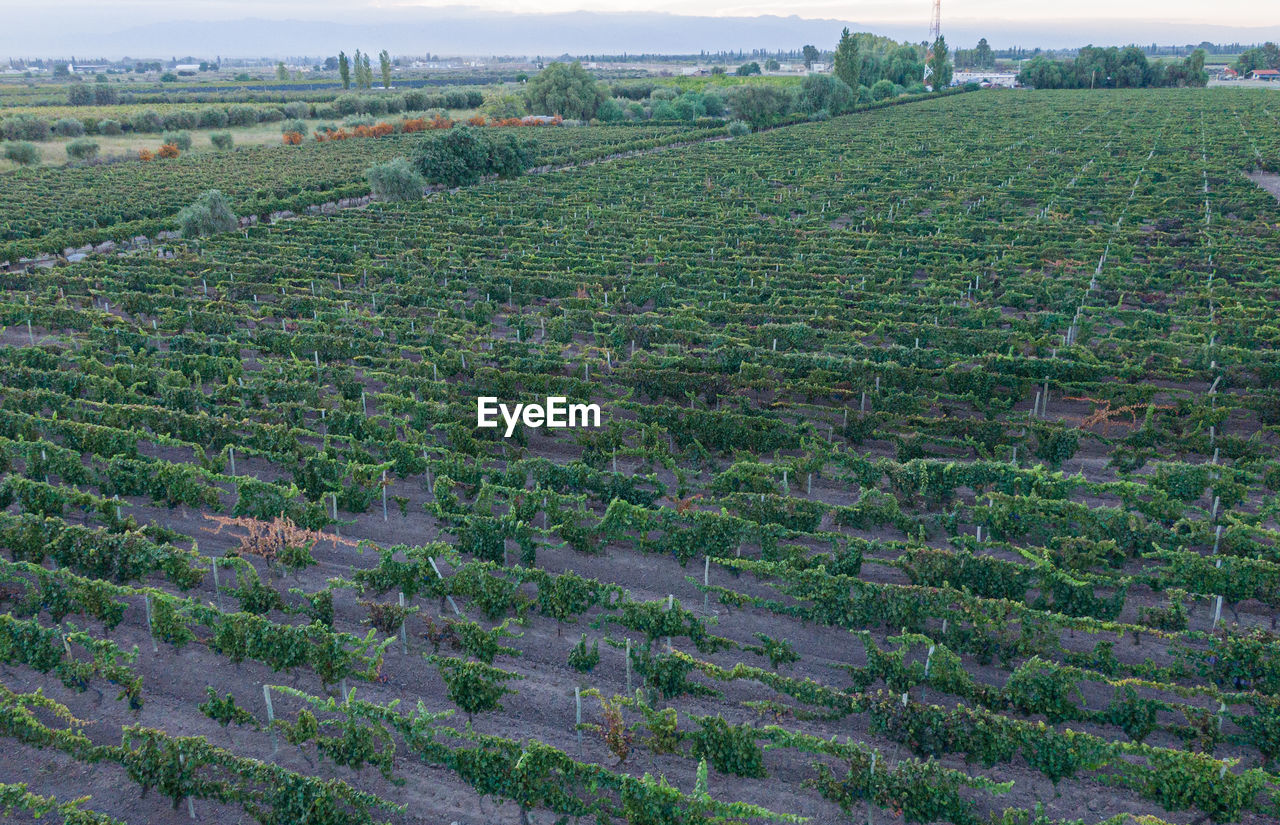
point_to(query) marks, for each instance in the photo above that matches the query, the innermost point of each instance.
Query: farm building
(1264, 74)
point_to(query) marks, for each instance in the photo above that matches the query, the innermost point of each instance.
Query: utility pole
(935, 26)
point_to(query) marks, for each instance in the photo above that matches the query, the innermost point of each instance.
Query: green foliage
(82, 149)
(730, 749)
(207, 215)
(474, 687)
(22, 153)
(462, 155)
(564, 89)
(395, 180)
(582, 658)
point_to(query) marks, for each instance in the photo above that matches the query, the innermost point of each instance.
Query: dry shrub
(270, 540)
(292, 138)
(169, 150)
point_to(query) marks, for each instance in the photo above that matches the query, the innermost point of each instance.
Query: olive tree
(395, 180)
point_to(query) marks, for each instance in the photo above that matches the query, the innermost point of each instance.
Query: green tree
(344, 70)
(567, 90)
(748, 69)
(384, 62)
(811, 55)
(282, 73)
(208, 214)
(771, 65)
(823, 92)
(221, 140)
(395, 180)
(366, 72)
(848, 63)
(759, 104)
(940, 69)
(982, 56)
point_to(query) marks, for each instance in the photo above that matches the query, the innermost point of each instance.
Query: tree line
(1113, 68)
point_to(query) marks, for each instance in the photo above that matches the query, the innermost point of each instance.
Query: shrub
(415, 101)
(183, 119)
(582, 658)
(68, 127)
(145, 155)
(180, 139)
(294, 126)
(242, 116)
(462, 156)
(168, 150)
(22, 153)
(208, 214)
(147, 120)
(110, 127)
(270, 115)
(25, 127)
(395, 180)
(82, 149)
(738, 128)
(297, 110)
(212, 118)
(292, 138)
(221, 140)
(882, 89)
(327, 112)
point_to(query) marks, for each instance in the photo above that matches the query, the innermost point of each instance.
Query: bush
(464, 154)
(327, 112)
(414, 101)
(22, 153)
(110, 127)
(293, 126)
(212, 118)
(297, 110)
(270, 115)
(738, 128)
(82, 149)
(177, 121)
(146, 121)
(395, 180)
(208, 214)
(68, 127)
(882, 89)
(168, 150)
(242, 116)
(221, 140)
(180, 139)
(760, 105)
(25, 127)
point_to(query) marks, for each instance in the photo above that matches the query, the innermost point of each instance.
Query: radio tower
(935, 27)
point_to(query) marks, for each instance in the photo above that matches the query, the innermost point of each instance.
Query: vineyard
(938, 479)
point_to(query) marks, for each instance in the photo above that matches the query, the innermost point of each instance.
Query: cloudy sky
(141, 27)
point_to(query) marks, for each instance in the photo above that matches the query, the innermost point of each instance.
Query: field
(938, 480)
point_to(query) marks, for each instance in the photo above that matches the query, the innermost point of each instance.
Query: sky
(1252, 13)
(282, 28)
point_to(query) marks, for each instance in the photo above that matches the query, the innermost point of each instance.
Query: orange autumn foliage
(476, 120)
(168, 150)
(292, 138)
(146, 154)
(416, 124)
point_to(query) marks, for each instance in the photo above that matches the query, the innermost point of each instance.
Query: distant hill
(34, 32)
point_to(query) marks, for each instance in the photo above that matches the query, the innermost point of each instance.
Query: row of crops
(938, 482)
(50, 209)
